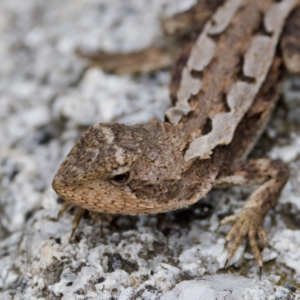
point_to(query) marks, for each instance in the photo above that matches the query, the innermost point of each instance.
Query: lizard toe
(76, 220)
(78, 215)
(237, 234)
(63, 208)
(99, 218)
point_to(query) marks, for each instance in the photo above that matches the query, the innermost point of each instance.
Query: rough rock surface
(47, 98)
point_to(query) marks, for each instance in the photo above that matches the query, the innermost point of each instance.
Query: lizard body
(223, 96)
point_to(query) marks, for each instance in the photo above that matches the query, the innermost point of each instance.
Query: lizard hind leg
(248, 223)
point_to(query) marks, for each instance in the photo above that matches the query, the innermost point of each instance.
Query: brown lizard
(224, 88)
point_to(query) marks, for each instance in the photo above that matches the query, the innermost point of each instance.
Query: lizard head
(115, 168)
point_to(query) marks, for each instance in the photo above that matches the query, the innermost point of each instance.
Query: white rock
(46, 89)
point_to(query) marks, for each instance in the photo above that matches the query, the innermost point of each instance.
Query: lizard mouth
(103, 197)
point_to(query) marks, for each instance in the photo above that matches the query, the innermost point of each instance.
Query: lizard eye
(122, 179)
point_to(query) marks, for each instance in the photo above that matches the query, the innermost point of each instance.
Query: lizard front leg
(271, 176)
(98, 217)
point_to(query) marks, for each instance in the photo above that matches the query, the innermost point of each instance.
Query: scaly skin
(223, 91)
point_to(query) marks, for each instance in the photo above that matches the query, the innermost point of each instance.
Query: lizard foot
(247, 223)
(98, 217)
(76, 220)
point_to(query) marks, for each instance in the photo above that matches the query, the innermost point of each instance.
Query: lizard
(224, 88)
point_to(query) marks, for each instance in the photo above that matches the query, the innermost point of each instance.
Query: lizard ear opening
(122, 179)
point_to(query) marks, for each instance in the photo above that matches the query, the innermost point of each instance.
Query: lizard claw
(247, 223)
(225, 246)
(63, 208)
(226, 262)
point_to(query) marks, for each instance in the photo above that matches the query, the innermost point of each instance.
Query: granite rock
(48, 97)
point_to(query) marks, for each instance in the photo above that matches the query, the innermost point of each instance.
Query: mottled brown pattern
(192, 19)
(142, 169)
(177, 70)
(219, 76)
(254, 122)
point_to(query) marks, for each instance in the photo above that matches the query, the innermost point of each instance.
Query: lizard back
(224, 73)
